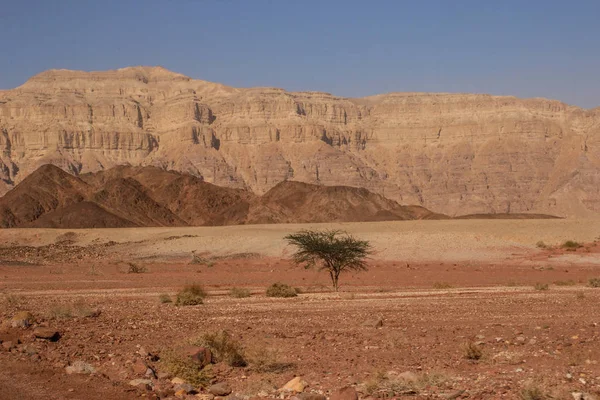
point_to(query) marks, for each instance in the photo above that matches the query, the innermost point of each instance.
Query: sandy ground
(432, 287)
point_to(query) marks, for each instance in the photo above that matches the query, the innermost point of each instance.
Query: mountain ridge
(453, 153)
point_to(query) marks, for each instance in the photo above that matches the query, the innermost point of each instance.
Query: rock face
(451, 153)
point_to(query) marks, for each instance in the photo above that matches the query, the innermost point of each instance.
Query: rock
(181, 394)
(142, 383)
(80, 367)
(583, 396)
(295, 385)
(22, 319)
(49, 334)
(220, 389)
(453, 395)
(205, 396)
(346, 393)
(311, 396)
(374, 323)
(150, 373)
(177, 381)
(139, 367)
(185, 387)
(199, 355)
(8, 345)
(408, 376)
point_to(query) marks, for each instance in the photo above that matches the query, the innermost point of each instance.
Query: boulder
(220, 389)
(295, 385)
(49, 334)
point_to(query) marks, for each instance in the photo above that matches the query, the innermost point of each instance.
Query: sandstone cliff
(451, 153)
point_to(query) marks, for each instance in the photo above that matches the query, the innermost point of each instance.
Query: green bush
(190, 296)
(281, 290)
(571, 244)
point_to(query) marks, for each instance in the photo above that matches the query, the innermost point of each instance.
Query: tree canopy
(332, 250)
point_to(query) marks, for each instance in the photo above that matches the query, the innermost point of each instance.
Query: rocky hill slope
(452, 153)
(148, 196)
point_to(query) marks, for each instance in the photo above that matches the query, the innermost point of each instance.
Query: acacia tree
(331, 250)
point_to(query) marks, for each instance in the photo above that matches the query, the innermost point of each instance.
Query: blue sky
(527, 48)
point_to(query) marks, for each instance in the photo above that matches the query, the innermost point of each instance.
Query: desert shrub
(541, 286)
(472, 351)
(264, 359)
(185, 368)
(281, 290)
(66, 238)
(76, 309)
(190, 296)
(532, 393)
(199, 260)
(224, 348)
(136, 269)
(442, 285)
(571, 244)
(541, 245)
(165, 298)
(570, 282)
(580, 295)
(239, 293)
(594, 282)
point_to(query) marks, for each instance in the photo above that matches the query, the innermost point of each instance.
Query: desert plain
(454, 309)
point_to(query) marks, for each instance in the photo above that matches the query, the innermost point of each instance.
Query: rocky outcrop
(452, 153)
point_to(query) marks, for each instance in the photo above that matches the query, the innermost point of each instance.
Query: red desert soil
(412, 314)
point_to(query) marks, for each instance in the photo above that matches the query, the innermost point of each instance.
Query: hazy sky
(527, 48)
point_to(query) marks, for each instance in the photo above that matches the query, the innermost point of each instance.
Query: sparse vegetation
(384, 385)
(472, 351)
(541, 286)
(264, 359)
(442, 285)
(281, 290)
(580, 295)
(66, 238)
(185, 368)
(570, 282)
(199, 260)
(333, 251)
(571, 245)
(541, 245)
(532, 392)
(190, 296)
(136, 269)
(239, 293)
(165, 298)
(77, 309)
(13, 300)
(224, 348)
(594, 282)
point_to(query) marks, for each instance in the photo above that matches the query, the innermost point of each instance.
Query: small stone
(177, 381)
(80, 367)
(583, 382)
(295, 385)
(181, 394)
(205, 396)
(569, 376)
(184, 386)
(139, 367)
(220, 389)
(142, 383)
(49, 334)
(520, 339)
(346, 393)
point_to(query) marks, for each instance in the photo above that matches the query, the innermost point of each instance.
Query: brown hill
(149, 196)
(453, 153)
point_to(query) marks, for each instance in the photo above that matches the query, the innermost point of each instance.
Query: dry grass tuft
(192, 295)
(281, 290)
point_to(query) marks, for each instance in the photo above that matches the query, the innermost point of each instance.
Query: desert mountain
(452, 153)
(148, 196)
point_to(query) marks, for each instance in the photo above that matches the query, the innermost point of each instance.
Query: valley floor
(435, 290)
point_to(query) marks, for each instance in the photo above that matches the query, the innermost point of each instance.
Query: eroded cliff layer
(451, 153)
